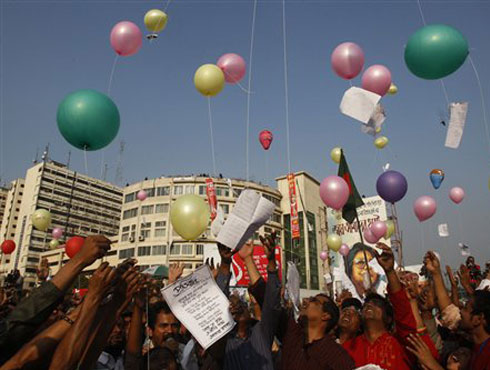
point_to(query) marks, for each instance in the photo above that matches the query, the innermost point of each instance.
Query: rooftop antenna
(45, 156)
(119, 176)
(104, 173)
(34, 161)
(68, 161)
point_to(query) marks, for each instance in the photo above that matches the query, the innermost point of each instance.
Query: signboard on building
(295, 230)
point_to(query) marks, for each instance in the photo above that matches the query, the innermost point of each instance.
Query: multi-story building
(305, 250)
(8, 225)
(78, 204)
(147, 234)
(3, 200)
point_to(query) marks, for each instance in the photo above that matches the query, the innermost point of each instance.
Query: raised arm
(71, 348)
(433, 265)
(454, 287)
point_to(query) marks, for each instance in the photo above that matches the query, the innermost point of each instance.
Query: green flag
(349, 211)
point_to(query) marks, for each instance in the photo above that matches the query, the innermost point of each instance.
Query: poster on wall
(350, 272)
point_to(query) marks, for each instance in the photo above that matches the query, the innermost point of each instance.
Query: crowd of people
(123, 322)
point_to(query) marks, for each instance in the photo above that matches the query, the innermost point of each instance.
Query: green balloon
(88, 119)
(435, 51)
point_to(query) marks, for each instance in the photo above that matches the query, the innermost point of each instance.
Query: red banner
(211, 195)
(295, 231)
(240, 271)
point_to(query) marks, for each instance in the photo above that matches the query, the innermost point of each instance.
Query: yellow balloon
(209, 79)
(334, 242)
(54, 244)
(335, 154)
(378, 129)
(155, 20)
(41, 219)
(390, 229)
(189, 216)
(393, 89)
(381, 142)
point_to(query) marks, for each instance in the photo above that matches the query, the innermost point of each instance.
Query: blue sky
(51, 48)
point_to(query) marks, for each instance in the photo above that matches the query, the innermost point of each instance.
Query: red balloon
(73, 246)
(8, 246)
(265, 138)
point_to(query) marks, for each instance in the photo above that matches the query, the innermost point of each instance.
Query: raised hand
(464, 275)
(246, 251)
(100, 282)
(427, 298)
(175, 272)
(225, 253)
(432, 263)
(95, 246)
(386, 259)
(212, 267)
(269, 244)
(450, 274)
(422, 352)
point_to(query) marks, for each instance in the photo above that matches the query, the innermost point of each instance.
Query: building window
(163, 190)
(144, 251)
(159, 250)
(175, 249)
(202, 189)
(178, 190)
(188, 266)
(276, 218)
(130, 213)
(225, 208)
(199, 249)
(189, 189)
(145, 229)
(125, 229)
(130, 197)
(160, 229)
(150, 193)
(126, 253)
(124, 237)
(222, 192)
(161, 208)
(187, 249)
(147, 210)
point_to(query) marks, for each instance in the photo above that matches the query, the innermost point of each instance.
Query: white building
(78, 204)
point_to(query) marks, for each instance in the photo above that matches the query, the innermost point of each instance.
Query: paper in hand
(457, 120)
(359, 104)
(443, 231)
(250, 212)
(292, 285)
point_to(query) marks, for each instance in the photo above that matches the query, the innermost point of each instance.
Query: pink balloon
(424, 207)
(233, 66)
(347, 60)
(377, 79)
(323, 255)
(369, 236)
(334, 192)
(57, 233)
(126, 38)
(141, 195)
(378, 228)
(344, 250)
(456, 194)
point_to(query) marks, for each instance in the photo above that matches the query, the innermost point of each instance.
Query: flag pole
(364, 250)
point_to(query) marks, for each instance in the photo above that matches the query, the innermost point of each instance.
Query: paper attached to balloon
(457, 120)
(359, 104)
(292, 286)
(250, 212)
(374, 124)
(443, 231)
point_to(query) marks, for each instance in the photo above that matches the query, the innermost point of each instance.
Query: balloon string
(112, 75)
(266, 166)
(247, 134)
(460, 225)
(85, 159)
(212, 136)
(483, 106)
(243, 88)
(166, 5)
(286, 93)
(422, 236)
(444, 90)
(350, 83)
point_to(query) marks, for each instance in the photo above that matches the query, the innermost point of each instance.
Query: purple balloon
(141, 195)
(334, 191)
(347, 60)
(344, 250)
(391, 186)
(424, 207)
(377, 79)
(233, 66)
(323, 255)
(126, 38)
(57, 233)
